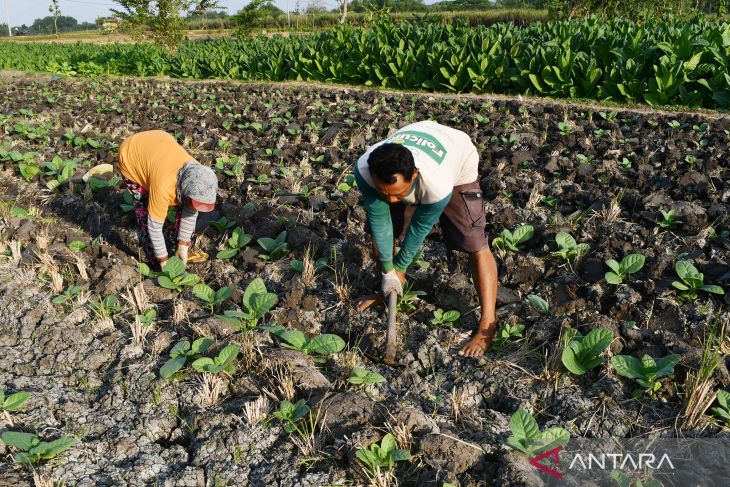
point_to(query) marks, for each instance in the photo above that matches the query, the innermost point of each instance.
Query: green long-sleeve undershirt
(381, 225)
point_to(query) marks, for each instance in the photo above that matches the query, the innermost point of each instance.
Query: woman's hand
(182, 251)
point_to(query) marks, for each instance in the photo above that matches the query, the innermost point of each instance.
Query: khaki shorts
(463, 221)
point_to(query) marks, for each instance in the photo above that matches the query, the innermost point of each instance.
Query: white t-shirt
(445, 157)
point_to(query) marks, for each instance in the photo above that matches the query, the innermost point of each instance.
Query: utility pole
(288, 16)
(7, 17)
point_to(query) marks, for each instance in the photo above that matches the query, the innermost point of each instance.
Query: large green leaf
(21, 441)
(565, 240)
(627, 366)
(523, 425)
(256, 286)
(15, 401)
(632, 263)
(172, 366)
(326, 344)
(204, 293)
(174, 267)
(295, 338)
(165, 282)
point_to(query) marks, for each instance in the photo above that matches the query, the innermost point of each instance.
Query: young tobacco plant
(539, 304)
(445, 319)
(182, 353)
(506, 333)
(648, 372)
(173, 275)
(512, 240)
(32, 449)
(222, 224)
(568, 248)
(527, 437)
(582, 353)
(224, 362)
(13, 402)
(319, 346)
(291, 413)
(237, 241)
(723, 410)
(70, 293)
(382, 456)
(211, 298)
(692, 281)
(275, 248)
(257, 301)
(364, 377)
(406, 303)
(630, 264)
(105, 308)
(669, 220)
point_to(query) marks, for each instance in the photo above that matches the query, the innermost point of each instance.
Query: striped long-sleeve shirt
(184, 234)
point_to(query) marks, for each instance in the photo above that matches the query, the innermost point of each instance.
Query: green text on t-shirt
(422, 141)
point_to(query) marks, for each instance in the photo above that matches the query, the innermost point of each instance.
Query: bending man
(422, 173)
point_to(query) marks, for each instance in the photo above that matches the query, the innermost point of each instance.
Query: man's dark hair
(389, 159)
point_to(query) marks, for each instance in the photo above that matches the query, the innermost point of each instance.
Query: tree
(48, 24)
(160, 20)
(246, 18)
(56, 12)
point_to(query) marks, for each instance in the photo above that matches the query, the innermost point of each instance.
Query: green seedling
(565, 128)
(692, 281)
(381, 456)
(77, 246)
(32, 449)
(506, 333)
(291, 414)
(692, 160)
(549, 200)
(527, 438)
(647, 371)
(222, 363)
(669, 220)
(319, 346)
(625, 163)
(406, 303)
(418, 260)
(98, 184)
(148, 317)
(70, 293)
(723, 410)
(261, 179)
(13, 402)
(183, 353)
(222, 224)
(364, 377)
(105, 308)
(512, 240)
(582, 353)
(173, 275)
(348, 184)
(630, 264)
(237, 241)
(128, 202)
(257, 301)
(568, 248)
(539, 304)
(446, 319)
(298, 265)
(674, 124)
(28, 169)
(305, 191)
(586, 159)
(211, 298)
(275, 248)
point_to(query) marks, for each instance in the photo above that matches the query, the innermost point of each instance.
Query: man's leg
(484, 274)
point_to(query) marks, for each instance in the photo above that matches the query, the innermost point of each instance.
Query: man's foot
(364, 302)
(480, 342)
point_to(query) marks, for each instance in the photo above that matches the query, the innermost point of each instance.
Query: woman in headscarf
(160, 173)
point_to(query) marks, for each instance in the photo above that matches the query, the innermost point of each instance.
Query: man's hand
(392, 281)
(182, 251)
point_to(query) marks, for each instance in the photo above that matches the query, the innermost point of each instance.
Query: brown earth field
(284, 156)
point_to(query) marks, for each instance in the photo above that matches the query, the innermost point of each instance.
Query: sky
(26, 11)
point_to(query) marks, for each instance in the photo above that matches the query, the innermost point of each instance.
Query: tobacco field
(270, 376)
